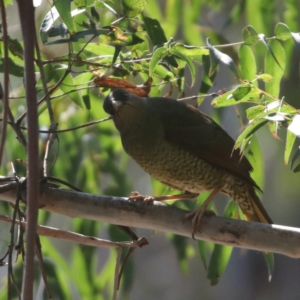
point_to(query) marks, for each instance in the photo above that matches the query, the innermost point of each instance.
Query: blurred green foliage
(133, 40)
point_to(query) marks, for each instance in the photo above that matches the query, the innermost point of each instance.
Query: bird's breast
(175, 166)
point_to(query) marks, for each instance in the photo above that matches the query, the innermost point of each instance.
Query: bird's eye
(120, 95)
(125, 96)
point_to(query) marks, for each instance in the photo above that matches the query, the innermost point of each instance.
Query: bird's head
(115, 100)
(124, 107)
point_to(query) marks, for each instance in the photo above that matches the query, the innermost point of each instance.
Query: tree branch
(72, 236)
(159, 216)
(27, 21)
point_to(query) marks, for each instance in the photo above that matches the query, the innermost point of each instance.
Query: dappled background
(92, 159)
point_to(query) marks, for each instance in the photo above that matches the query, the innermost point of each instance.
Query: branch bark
(27, 20)
(159, 216)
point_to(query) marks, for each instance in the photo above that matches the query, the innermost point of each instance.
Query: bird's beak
(116, 104)
(113, 102)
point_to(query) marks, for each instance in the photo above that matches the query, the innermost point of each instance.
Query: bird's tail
(250, 204)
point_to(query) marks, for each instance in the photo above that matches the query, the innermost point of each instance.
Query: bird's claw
(136, 196)
(196, 217)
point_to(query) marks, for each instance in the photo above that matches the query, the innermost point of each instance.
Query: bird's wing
(197, 133)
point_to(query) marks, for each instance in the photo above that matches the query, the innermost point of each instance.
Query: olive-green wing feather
(197, 133)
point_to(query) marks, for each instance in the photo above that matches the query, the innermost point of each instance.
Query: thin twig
(2, 263)
(44, 83)
(42, 267)
(73, 237)
(58, 180)
(116, 277)
(129, 253)
(11, 246)
(21, 230)
(53, 124)
(68, 70)
(4, 93)
(73, 128)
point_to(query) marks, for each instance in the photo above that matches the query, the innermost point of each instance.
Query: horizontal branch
(159, 216)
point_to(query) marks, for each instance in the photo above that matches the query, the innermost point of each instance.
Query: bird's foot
(136, 196)
(197, 216)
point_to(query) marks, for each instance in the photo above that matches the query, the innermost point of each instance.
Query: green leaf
(275, 111)
(14, 69)
(185, 58)
(254, 111)
(207, 80)
(47, 23)
(67, 86)
(83, 80)
(252, 127)
(155, 31)
(79, 266)
(286, 109)
(255, 156)
(202, 252)
(57, 282)
(217, 56)
(214, 60)
(248, 63)
(107, 272)
(203, 246)
(15, 47)
(295, 157)
(132, 8)
(273, 127)
(76, 36)
(64, 9)
(265, 77)
(272, 67)
(191, 51)
(250, 35)
(161, 72)
(294, 127)
(99, 49)
(95, 15)
(92, 31)
(289, 143)
(118, 49)
(157, 56)
(277, 117)
(47, 28)
(80, 3)
(282, 32)
(227, 99)
(296, 38)
(297, 169)
(221, 254)
(172, 14)
(241, 91)
(63, 267)
(269, 258)
(263, 39)
(181, 247)
(116, 36)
